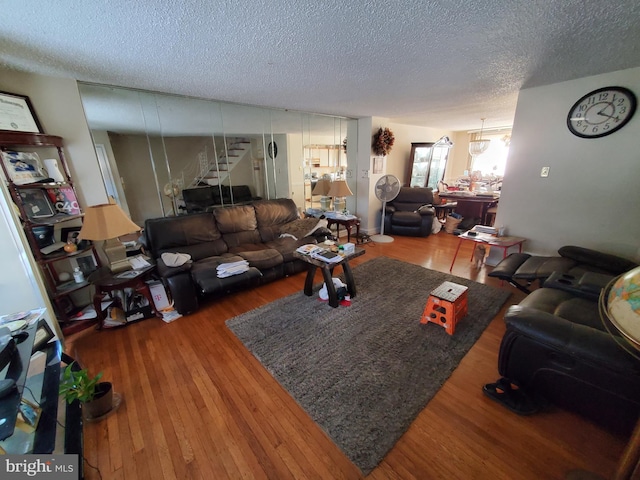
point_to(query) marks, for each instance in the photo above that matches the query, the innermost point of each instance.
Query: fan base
(381, 238)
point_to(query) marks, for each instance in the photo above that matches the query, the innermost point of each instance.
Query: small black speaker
(44, 235)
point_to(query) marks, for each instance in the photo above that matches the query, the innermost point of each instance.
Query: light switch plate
(544, 172)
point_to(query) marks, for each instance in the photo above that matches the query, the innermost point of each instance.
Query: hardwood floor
(196, 404)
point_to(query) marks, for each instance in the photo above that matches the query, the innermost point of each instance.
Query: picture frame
(86, 263)
(23, 167)
(36, 203)
(17, 114)
(378, 165)
(69, 234)
(42, 336)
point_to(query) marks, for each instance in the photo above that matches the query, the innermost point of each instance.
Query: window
(494, 160)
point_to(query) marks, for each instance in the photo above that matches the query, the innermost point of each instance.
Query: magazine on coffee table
(327, 256)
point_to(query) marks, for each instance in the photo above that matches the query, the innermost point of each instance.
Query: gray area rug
(364, 372)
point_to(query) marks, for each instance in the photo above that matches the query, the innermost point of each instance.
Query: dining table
(472, 204)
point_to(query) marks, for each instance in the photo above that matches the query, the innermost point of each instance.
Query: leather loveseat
(556, 349)
(522, 270)
(411, 213)
(264, 233)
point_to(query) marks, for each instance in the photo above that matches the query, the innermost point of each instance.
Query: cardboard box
(159, 295)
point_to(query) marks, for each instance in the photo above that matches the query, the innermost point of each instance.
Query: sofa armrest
(427, 210)
(581, 341)
(389, 209)
(165, 271)
(183, 292)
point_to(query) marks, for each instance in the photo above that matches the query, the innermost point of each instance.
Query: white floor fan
(387, 188)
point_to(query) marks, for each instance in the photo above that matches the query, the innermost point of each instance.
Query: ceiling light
(480, 145)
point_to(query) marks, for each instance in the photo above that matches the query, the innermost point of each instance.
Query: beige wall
(58, 106)
(396, 163)
(592, 193)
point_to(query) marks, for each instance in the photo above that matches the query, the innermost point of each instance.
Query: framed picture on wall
(86, 263)
(23, 167)
(378, 165)
(69, 234)
(36, 203)
(17, 114)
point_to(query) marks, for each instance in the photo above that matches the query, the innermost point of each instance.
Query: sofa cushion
(196, 235)
(407, 219)
(410, 199)
(237, 224)
(205, 275)
(262, 259)
(286, 246)
(598, 260)
(271, 214)
(565, 305)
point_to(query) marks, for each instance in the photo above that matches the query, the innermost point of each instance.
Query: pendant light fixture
(480, 145)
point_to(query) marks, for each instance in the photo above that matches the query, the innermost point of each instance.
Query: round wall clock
(273, 150)
(601, 112)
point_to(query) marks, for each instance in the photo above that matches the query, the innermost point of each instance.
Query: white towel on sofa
(225, 270)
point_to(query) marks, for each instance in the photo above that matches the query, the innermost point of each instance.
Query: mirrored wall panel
(163, 155)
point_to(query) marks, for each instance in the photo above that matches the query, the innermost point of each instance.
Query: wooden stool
(446, 305)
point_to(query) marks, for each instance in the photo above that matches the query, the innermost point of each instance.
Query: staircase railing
(215, 171)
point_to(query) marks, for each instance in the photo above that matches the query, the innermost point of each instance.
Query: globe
(623, 305)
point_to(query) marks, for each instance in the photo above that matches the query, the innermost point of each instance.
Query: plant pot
(102, 402)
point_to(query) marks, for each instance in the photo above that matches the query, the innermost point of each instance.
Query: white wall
(592, 194)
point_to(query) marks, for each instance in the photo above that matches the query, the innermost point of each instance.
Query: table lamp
(107, 222)
(339, 191)
(322, 187)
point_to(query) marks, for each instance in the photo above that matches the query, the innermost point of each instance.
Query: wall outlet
(544, 172)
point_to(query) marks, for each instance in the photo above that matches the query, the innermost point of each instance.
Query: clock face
(272, 149)
(601, 112)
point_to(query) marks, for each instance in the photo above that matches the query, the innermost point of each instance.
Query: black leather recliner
(411, 213)
(557, 348)
(522, 270)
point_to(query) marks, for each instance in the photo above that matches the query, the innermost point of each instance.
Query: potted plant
(96, 397)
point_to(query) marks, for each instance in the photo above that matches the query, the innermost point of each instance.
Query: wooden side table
(106, 282)
(499, 242)
(348, 223)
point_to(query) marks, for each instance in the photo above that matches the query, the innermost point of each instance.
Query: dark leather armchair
(411, 213)
(557, 348)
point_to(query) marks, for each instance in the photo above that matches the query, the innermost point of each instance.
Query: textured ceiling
(440, 64)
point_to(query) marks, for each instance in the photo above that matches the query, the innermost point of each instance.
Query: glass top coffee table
(327, 274)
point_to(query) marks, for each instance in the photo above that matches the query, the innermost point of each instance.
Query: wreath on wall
(383, 141)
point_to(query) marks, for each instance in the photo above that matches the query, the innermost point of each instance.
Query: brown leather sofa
(265, 233)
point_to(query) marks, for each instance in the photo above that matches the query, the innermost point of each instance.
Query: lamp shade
(103, 222)
(339, 188)
(321, 187)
